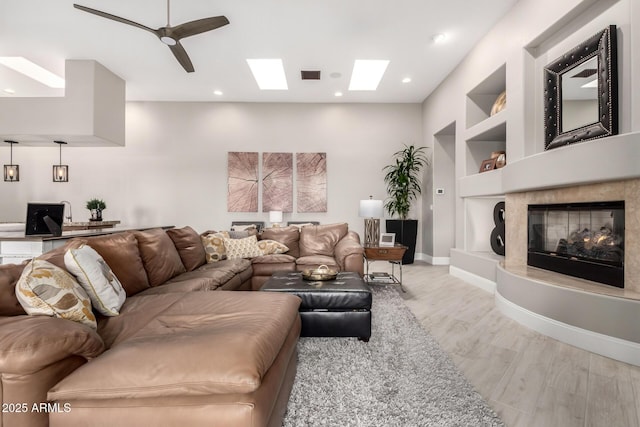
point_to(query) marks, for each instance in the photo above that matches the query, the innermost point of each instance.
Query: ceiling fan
(169, 35)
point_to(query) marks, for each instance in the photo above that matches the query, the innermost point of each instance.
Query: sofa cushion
(46, 290)
(224, 342)
(321, 239)
(159, 255)
(56, 255)
(120, 251)
(213, 243)
(288, 236)
(189, 246)
(9, 275)
(313, 261)
(96, 278)
(242, 248)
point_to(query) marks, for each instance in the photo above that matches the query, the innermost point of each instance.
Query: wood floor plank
(529, 379)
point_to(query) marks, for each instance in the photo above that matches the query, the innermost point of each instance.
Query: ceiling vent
(310, 75)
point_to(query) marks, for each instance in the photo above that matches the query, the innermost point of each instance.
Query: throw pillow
(46, 290)
(96, 278)
(268, 247)
(214, 246)
(242, 248)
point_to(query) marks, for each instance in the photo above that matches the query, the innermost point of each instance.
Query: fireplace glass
(583, 240)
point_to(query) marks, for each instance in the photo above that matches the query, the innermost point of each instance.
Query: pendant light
(60, 171)
(11, 171)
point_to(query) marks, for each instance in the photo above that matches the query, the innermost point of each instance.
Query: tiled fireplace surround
(516, 230)
(600, 318)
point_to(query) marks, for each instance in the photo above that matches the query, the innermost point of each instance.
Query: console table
(392, 254)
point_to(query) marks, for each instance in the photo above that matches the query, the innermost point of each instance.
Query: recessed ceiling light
(438, 38)
(406, 80)
(9, 91)
(29, 69)
(367, 74)
(335, 75)
(217, 92)
(269, 73)
(338, 94)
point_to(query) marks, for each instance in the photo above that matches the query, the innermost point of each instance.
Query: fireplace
(583, 240)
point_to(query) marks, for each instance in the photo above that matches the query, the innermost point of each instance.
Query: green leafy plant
(403, 179)
(96, 204)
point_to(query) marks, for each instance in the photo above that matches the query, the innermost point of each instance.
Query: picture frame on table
(488, 165)
(387, 239)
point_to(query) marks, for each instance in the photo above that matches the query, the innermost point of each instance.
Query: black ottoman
(330, 308)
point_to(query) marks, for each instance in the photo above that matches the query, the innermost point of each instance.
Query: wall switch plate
(440, 191)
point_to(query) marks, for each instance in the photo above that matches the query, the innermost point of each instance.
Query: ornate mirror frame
(603, 46)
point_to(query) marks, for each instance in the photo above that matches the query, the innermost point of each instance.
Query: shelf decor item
(403, 180)
(96, 206)
(488, 165)
(500, 104)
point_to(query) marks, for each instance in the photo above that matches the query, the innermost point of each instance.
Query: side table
(393, 254)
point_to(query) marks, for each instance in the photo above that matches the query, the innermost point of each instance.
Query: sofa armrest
(31, 343)
(349, 253)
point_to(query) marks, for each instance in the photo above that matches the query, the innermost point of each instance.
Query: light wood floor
(527, 378)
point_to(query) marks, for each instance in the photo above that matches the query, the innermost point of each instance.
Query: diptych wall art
(277, 182)
(276, 175)
(312, 182)
(243, 176)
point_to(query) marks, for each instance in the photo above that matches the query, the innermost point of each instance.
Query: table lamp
(371, 210)
(275, 218)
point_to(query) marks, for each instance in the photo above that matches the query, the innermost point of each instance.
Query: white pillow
(242, 248)
(46, 290)
(94, 275)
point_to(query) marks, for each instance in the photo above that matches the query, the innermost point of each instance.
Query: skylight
(29, 69)
(367, 74)
(269, 73)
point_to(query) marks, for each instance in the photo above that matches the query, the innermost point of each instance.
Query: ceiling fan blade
(113, 17)
(182, 57)
(198, 26)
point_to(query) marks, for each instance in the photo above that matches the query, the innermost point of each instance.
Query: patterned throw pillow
(46, 290)
(214, 246)
(268, 247)
(242, 248)
(95, 276)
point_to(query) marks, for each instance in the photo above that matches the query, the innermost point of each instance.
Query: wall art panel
(277, 182)
(242, 195)
(311, 182)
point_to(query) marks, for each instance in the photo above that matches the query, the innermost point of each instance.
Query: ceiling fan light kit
(169, 35)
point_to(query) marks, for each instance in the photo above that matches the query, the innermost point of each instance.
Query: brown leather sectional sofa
(173, 356)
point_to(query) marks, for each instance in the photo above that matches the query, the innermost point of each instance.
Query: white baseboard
(473, 279)
(614, 348)
(434, 260)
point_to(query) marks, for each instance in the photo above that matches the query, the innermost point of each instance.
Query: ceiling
(307, 34)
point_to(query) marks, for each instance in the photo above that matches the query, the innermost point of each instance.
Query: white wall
(173, 169)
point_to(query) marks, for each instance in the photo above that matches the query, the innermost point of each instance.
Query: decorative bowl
(323, 272)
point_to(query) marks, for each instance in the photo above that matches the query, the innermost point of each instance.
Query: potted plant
(96, 206)
(402, 179)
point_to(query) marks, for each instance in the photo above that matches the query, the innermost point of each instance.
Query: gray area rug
(401, 377)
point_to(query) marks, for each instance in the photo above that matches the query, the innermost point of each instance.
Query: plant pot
(406, 232)
(96, 215)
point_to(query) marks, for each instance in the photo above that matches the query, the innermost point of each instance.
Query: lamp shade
(370, 208)
(275, 216)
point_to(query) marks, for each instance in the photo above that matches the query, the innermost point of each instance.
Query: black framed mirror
(581, 92)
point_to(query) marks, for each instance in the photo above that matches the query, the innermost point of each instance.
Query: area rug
(401, 377)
